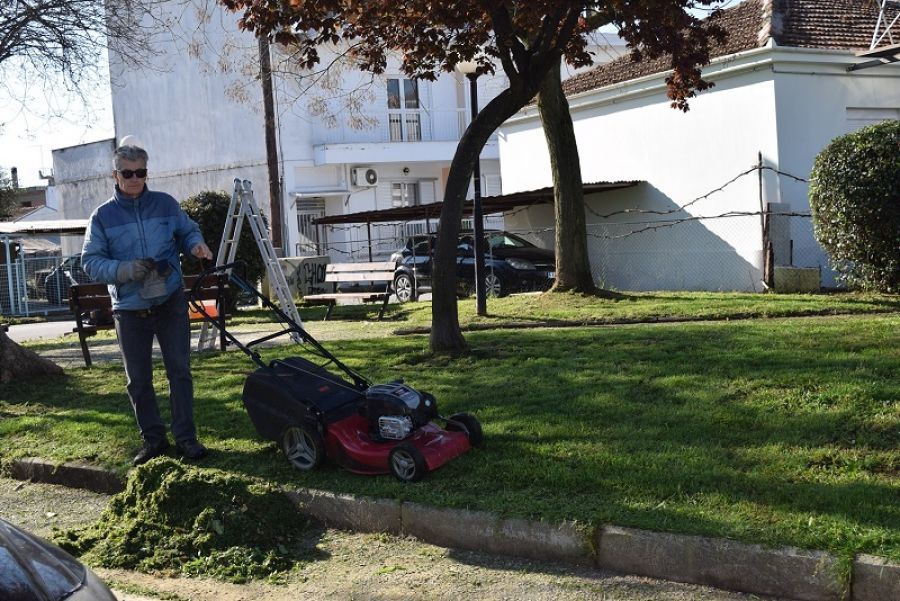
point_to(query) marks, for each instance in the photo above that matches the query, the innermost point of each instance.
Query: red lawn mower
(315, 407)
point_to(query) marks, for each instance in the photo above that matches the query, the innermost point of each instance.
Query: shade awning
(56, 226)
(490, 204)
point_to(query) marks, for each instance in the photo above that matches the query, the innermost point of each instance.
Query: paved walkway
(104, 346)
(40, 331)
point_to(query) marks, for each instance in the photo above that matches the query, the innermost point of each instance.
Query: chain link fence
(37, 283)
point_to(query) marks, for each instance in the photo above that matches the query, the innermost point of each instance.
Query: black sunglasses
(129, 173)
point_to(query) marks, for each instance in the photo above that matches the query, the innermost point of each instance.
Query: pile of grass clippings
(174, 518)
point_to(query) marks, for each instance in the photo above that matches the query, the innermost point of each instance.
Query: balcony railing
(406, 125)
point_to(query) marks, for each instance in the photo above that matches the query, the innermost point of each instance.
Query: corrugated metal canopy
(490, 204)
(57, 226)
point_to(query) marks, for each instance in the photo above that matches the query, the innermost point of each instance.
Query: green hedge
(855, 200)
(210, 210)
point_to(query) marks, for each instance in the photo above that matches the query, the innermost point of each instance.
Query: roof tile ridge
(772, 22)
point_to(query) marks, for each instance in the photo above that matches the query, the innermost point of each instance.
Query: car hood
(31, 569)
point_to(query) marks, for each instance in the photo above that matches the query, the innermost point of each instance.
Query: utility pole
(265, 74)
(469, 69)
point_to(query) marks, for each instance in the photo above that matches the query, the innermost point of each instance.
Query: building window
(404, 118)
(404, 194)
(307, 211)
(859, 117)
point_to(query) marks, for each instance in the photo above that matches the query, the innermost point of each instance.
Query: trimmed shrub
(855, 200)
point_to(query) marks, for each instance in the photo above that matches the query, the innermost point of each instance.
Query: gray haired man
(132, 243)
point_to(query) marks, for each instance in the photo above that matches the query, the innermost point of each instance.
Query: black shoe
(191, 449)
(150, 450)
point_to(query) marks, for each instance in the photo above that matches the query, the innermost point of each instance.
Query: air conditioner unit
(364, 176)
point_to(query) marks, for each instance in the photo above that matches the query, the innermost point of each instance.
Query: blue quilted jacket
(152, 226)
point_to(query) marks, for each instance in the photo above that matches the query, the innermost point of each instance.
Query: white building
(198, 110)
(346, 141)
(782, 91)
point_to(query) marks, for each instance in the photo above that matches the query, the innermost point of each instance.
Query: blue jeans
(135, 330)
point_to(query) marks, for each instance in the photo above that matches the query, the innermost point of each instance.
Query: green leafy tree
(7, 195)
(210, 210)
(526, 38)
(855, 202)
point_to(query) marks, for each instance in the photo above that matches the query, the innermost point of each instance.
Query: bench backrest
(379, 271)
(89, 297)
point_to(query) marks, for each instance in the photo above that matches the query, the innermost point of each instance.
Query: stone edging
(785, 572)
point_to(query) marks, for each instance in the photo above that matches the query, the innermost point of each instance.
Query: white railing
(406, 125)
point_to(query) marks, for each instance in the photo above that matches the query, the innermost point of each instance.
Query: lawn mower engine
(394, 410)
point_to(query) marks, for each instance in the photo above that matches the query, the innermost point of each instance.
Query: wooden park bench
(365, 274)
(92, 301)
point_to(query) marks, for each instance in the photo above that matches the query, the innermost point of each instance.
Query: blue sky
(27, 135)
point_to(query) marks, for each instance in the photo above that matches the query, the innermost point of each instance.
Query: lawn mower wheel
(407, 462)
(466, 422)
(303, 447)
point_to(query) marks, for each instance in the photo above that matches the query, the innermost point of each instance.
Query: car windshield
(505, 240)
(424, 245)
(420, 245)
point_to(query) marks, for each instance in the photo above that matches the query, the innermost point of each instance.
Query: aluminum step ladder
(243, 206)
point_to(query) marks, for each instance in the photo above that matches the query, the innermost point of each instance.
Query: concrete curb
(483, 531)
(875, 578)
(346, 511)
(73, 475)
(787, 572)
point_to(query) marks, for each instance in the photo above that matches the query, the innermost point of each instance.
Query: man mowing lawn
(132, 244)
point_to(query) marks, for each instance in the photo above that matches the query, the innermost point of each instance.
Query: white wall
(818, 100)
(82, 178)
(631, 133)
(784, 103)
(197, 107)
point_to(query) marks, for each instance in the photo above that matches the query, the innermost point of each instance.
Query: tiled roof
(840, 24)
(833, 24)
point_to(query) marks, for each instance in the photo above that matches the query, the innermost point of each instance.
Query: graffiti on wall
(306, 275)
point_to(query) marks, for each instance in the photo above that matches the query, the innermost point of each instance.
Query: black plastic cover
(295, 390)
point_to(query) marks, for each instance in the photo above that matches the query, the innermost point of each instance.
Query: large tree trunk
(573, 266)
(525, 69)
(18, 363)
(446, 335)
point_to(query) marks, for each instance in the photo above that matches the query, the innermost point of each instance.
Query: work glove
(134, 271)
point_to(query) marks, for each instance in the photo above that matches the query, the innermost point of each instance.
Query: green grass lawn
(777, 431)
(539, 309)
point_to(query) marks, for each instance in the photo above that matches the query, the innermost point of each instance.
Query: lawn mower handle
(292, 327)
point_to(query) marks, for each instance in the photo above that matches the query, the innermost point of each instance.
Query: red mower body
(313, 413)
(349, 444)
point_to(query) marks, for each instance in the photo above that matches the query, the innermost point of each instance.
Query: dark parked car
(34, 569)
(58, 281)
(512, 264)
